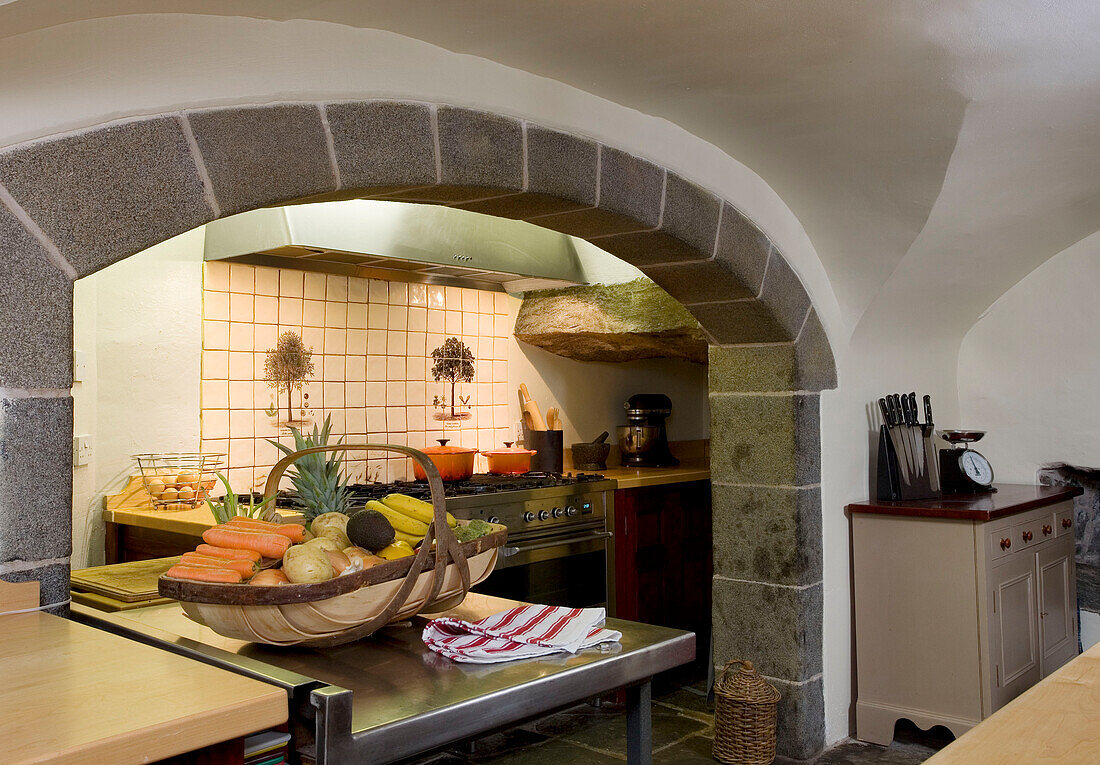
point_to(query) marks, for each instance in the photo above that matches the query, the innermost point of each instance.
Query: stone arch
(73, 204)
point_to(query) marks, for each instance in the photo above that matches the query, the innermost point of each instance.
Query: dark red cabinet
(663, 556)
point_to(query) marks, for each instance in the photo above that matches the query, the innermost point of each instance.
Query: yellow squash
(395, 551)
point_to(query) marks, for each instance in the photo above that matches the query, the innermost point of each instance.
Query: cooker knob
(544, 514)
(528, 516)
(494, 519)
(557, 512)
(570, 511)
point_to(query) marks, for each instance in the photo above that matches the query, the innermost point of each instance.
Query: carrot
(267, 545)
(246, 567)
(270, 577)
(205, 574)
(292, 531)
(228, 554)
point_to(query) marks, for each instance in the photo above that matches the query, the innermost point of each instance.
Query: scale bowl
(961, 436)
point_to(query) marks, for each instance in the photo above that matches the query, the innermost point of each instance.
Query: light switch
(80, 366)
(82, 450)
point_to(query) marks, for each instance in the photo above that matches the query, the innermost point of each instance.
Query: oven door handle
(508, 552)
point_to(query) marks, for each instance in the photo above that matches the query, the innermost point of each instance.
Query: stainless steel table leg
(639, 725)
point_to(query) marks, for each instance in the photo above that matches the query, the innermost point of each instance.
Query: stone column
(36, 413)
(765, 474)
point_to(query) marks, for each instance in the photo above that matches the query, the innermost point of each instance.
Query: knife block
(896, 481)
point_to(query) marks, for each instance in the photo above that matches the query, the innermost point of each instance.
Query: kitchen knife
(909, 412)
(886, 418)
(906, 434)
(893, 407)
(928, 429)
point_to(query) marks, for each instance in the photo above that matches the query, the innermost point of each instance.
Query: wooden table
(1056, 721)
(78, 694)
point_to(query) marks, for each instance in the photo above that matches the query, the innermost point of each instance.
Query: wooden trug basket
(349, 607)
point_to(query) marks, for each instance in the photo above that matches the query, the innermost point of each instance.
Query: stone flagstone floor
(682, 735)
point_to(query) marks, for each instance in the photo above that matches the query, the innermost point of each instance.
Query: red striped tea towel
(519, 633)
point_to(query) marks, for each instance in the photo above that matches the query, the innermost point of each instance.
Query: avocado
(370, 530)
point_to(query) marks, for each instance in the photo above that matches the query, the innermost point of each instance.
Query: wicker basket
(351, 606)
(744, 716)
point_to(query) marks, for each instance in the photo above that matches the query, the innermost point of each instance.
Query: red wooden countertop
(1007, 500)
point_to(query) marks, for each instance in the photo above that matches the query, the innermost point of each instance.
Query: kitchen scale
(964, 470)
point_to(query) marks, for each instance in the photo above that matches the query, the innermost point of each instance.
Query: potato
(328, 521)
(323, 543)
(307, 566)
(338, 536)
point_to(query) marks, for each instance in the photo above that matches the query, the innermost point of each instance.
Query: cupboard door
(1057, 606)
(1014, 634)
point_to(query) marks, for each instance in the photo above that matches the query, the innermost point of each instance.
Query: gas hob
(528, 504)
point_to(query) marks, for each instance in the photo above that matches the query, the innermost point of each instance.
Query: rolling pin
(531, 409)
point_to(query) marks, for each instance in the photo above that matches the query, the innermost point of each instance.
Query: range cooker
(560, 548)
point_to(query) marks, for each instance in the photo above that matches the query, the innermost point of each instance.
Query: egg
(169, 494)
(186, 493)
(154, 486)
(188, 478)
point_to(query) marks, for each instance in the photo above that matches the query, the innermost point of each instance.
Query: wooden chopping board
(128, 582)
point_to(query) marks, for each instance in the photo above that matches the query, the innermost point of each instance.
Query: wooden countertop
(1007, 500)
(190, 522)
(77, 694)
(1055, 721)
(634, 478)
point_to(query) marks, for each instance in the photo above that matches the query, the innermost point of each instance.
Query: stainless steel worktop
(389, 697)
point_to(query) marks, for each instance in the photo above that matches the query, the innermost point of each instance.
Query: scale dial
(976, 467)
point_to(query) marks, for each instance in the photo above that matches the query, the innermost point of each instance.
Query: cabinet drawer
(1048, 527)
(1002, 542)
(1028, 534)
(1063, 521)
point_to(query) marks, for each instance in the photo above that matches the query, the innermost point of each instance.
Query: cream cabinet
(961, 604)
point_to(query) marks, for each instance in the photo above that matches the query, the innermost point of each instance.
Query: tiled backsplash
(372, 342)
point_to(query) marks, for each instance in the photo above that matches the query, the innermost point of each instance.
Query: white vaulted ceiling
(935, 152)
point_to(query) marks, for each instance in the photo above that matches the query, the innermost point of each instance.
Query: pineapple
(317, 478)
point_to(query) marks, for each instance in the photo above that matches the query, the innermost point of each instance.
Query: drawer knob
(1028, 536)
(1066, 523)
(1047, 530)
(1006, 543)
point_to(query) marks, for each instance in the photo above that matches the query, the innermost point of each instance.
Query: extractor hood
(399, 241)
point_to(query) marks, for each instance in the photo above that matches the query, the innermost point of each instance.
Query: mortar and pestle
(591, 455)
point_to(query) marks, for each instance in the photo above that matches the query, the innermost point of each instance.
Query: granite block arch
(73, 204)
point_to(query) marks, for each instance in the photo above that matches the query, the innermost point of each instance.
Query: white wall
(1029, 369)
(138, 323)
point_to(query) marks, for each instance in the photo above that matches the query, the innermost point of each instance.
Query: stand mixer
(644, 442)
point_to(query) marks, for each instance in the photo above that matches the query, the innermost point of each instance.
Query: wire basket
(178, 480)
